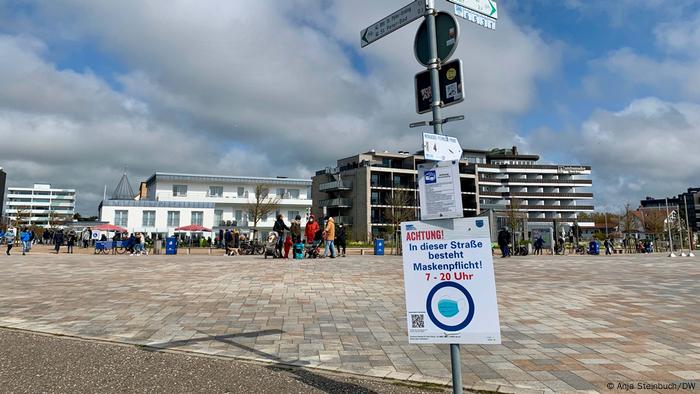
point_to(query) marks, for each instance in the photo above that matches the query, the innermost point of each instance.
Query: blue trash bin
(171, 245)
(379, 247)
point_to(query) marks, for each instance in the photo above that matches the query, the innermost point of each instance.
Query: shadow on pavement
(324, 383)
(227, 339)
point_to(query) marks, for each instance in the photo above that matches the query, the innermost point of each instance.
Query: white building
(214, 201)
(40, 205)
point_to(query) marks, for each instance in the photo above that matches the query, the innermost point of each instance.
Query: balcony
(335, 186)
(560, 208)
(336, 203)
(537, 194)
(346, 220)
(508, 181)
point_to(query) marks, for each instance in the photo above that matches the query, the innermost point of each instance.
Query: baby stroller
(271, 245)
(312, 250)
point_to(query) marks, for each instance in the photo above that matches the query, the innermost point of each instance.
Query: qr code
(451, 90)
(417, 320)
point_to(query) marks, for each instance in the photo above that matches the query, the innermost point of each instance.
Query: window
(264, 218)
(173, 218)
(179, 190)
(280, 192)
(121, 218)
(197, 218)
(218, 217)
(241, 192)
(292, 214)
(149, 219)
(265, 192)
(239, 216)
(293, 193)
(216, 191)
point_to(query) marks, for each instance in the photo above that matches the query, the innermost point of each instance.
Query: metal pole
(668, 224)
(433, 66)
(687, 225)
(606, 225)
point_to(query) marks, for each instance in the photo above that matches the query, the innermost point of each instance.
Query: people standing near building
(9, 240)
(340, 239)
(70, 241)
(228, 238)
(58, 240)
(539, 242)
(503, 240)
(280, 227)
(311, 229)
(295, 229)
(329, 236)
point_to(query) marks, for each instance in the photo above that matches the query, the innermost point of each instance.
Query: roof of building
(171, 176)
(157, 204)
(123, 191)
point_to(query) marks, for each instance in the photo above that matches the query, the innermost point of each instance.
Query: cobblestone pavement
(568, 323)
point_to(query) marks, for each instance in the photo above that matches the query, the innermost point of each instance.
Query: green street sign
(447, 34)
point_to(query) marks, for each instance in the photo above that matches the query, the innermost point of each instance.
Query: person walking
(9, 240)
(227, 241)
(280, 227)
(70, 241)
(503, 239)
(87, 234)
(25, 236)
(608, 246)
(539, 242)
(340, 239)
(58, 241)
(329, 235)
(311, 229)
(295, 229)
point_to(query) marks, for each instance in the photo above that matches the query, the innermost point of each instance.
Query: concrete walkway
(568, 323)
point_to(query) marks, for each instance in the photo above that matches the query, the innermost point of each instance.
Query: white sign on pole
(475, 18)
(449, 282)
(485, 7)
(441, 147)
(96, 235)
(392, 22)
(440, 190)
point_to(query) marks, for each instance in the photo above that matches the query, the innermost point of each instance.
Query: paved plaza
(568, 323)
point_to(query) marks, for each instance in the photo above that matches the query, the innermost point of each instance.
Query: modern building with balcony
(363, 191)
(541, 193)
(40, 205)
(689, 200)
(169, 200)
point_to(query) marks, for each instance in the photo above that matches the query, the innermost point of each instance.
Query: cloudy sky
(282, 88)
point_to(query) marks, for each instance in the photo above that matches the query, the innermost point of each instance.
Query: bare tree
(261, 206)
(403, 210)
(514, 217)
(628, 220)
(653, 221)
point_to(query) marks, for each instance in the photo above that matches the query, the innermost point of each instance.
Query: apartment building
(169, 200)
(40, 205)
(361, 190)
(541, 193)
(689, 200)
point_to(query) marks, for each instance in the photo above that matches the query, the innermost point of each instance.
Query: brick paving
(568, 323)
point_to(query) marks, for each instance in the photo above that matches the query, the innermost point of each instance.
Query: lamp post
(687, 224)
(668, 225)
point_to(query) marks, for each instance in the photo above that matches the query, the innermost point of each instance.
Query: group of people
(27, 237)
(135, 243)
(314, 234)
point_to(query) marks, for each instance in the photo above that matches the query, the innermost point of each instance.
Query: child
(287, 246)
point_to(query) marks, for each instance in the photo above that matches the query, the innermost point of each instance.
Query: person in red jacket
(311, 229)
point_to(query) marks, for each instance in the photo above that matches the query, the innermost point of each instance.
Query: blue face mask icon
(447, 307)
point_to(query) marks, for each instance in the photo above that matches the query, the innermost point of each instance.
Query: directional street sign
(392, 22)
(474, 17)
(447, 34)
(441, 147)
(451, 87)
(484, 7)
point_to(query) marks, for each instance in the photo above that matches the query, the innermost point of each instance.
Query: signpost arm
(437, 129)
(433, 66)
